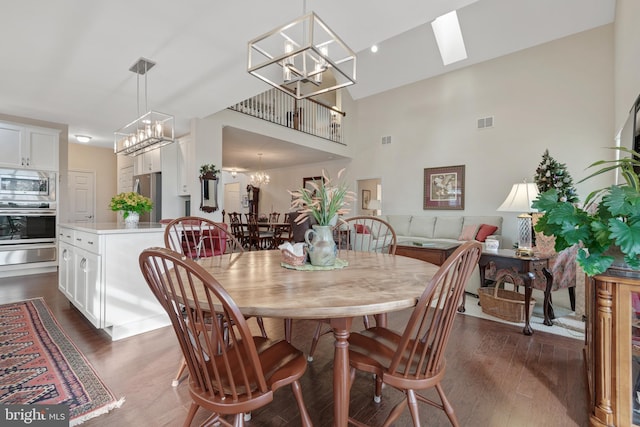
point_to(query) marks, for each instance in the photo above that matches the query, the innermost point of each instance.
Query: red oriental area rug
(40, 365)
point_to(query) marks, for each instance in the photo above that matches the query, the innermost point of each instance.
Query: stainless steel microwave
(27, 185)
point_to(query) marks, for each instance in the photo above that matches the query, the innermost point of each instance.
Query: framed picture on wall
(366, 197)
(444, 187)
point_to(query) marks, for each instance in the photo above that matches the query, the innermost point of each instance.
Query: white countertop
(115, 227)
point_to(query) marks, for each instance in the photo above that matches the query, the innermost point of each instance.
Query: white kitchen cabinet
(101, 277)
(79, 273)
(28, 147)
(148, 162)
(184, 165)
(66, 279)
(88, 286)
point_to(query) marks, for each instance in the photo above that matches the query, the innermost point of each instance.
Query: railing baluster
(305, 115)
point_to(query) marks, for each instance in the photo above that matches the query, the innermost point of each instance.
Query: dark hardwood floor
(495, 376)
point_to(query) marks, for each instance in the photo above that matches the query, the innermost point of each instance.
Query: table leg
(528, 281)
(341, 377)
(548, 309)
(381, 320)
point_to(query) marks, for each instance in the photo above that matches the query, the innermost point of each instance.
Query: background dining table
(371, 283)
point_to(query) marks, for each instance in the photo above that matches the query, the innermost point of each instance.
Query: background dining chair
(365, 234)
(258, 238)
(226, 379)
(362, 234)
(413, 360)
(274, 217)
(197, 238)
(238, 229)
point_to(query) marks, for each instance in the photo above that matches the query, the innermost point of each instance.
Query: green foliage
(209, 168)
(130, 202)
(610, 217)
(552, 174)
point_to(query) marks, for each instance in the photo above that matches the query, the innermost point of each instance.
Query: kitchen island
(100, 275)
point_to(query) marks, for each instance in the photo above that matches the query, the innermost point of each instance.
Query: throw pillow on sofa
(469, 232)
(485, 231)
(362, 229)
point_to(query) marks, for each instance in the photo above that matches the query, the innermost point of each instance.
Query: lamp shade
(520, 198)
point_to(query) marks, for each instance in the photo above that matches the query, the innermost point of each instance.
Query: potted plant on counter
(607, 227)
(132, 206)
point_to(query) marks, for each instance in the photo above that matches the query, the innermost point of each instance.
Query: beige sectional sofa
(427, 228)
(444, 228)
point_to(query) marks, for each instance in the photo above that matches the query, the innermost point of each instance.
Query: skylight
(446, 28)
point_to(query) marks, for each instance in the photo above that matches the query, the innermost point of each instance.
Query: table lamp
(375, 206)
(520, 199)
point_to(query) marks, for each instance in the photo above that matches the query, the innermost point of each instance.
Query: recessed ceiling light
(374, 48)
(446, 28)
(83, 138)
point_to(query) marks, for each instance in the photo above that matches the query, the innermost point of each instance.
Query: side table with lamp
(522, 262)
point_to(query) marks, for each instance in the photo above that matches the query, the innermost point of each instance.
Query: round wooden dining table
(371, 283)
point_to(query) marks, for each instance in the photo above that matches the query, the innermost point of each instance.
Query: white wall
(557, 96)
(627, 59)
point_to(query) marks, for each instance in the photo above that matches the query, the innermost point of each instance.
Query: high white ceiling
(68, 61)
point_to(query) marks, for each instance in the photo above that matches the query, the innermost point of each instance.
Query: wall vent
(485, 122)
(386, 139)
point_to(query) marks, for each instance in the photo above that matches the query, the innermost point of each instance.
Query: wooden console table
(525, 267)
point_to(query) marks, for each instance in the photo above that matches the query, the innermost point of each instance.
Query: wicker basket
(504, 304)
(289, 258)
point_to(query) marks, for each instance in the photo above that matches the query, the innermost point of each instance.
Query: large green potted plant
(608, 222)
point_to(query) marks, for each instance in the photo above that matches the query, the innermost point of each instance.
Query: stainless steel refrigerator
(150, 185)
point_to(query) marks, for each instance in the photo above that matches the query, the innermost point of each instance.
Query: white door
(232, 198)
(82, 196)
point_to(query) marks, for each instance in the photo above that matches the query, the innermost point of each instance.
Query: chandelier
(303, 58)
(259, 178)
(151, 130)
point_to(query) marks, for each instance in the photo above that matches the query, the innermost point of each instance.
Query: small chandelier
(259, 178)
(296, 58)
(149, 131)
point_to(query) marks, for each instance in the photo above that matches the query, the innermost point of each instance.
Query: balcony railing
(305, 115)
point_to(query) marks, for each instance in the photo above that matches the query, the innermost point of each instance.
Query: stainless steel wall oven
(27, 216)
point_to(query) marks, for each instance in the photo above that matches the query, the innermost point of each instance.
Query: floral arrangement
(130, 202)
(324, 200)
(209, 168)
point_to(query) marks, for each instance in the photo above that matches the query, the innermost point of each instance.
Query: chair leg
(304, 414)
(314, 341)
(395, 413)
(446, 406)
(191, 414)
(288, 325)
(261, 326)
(377, 394)
(412, 403)
(176, 380)
(365, 321)
(572, 298)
